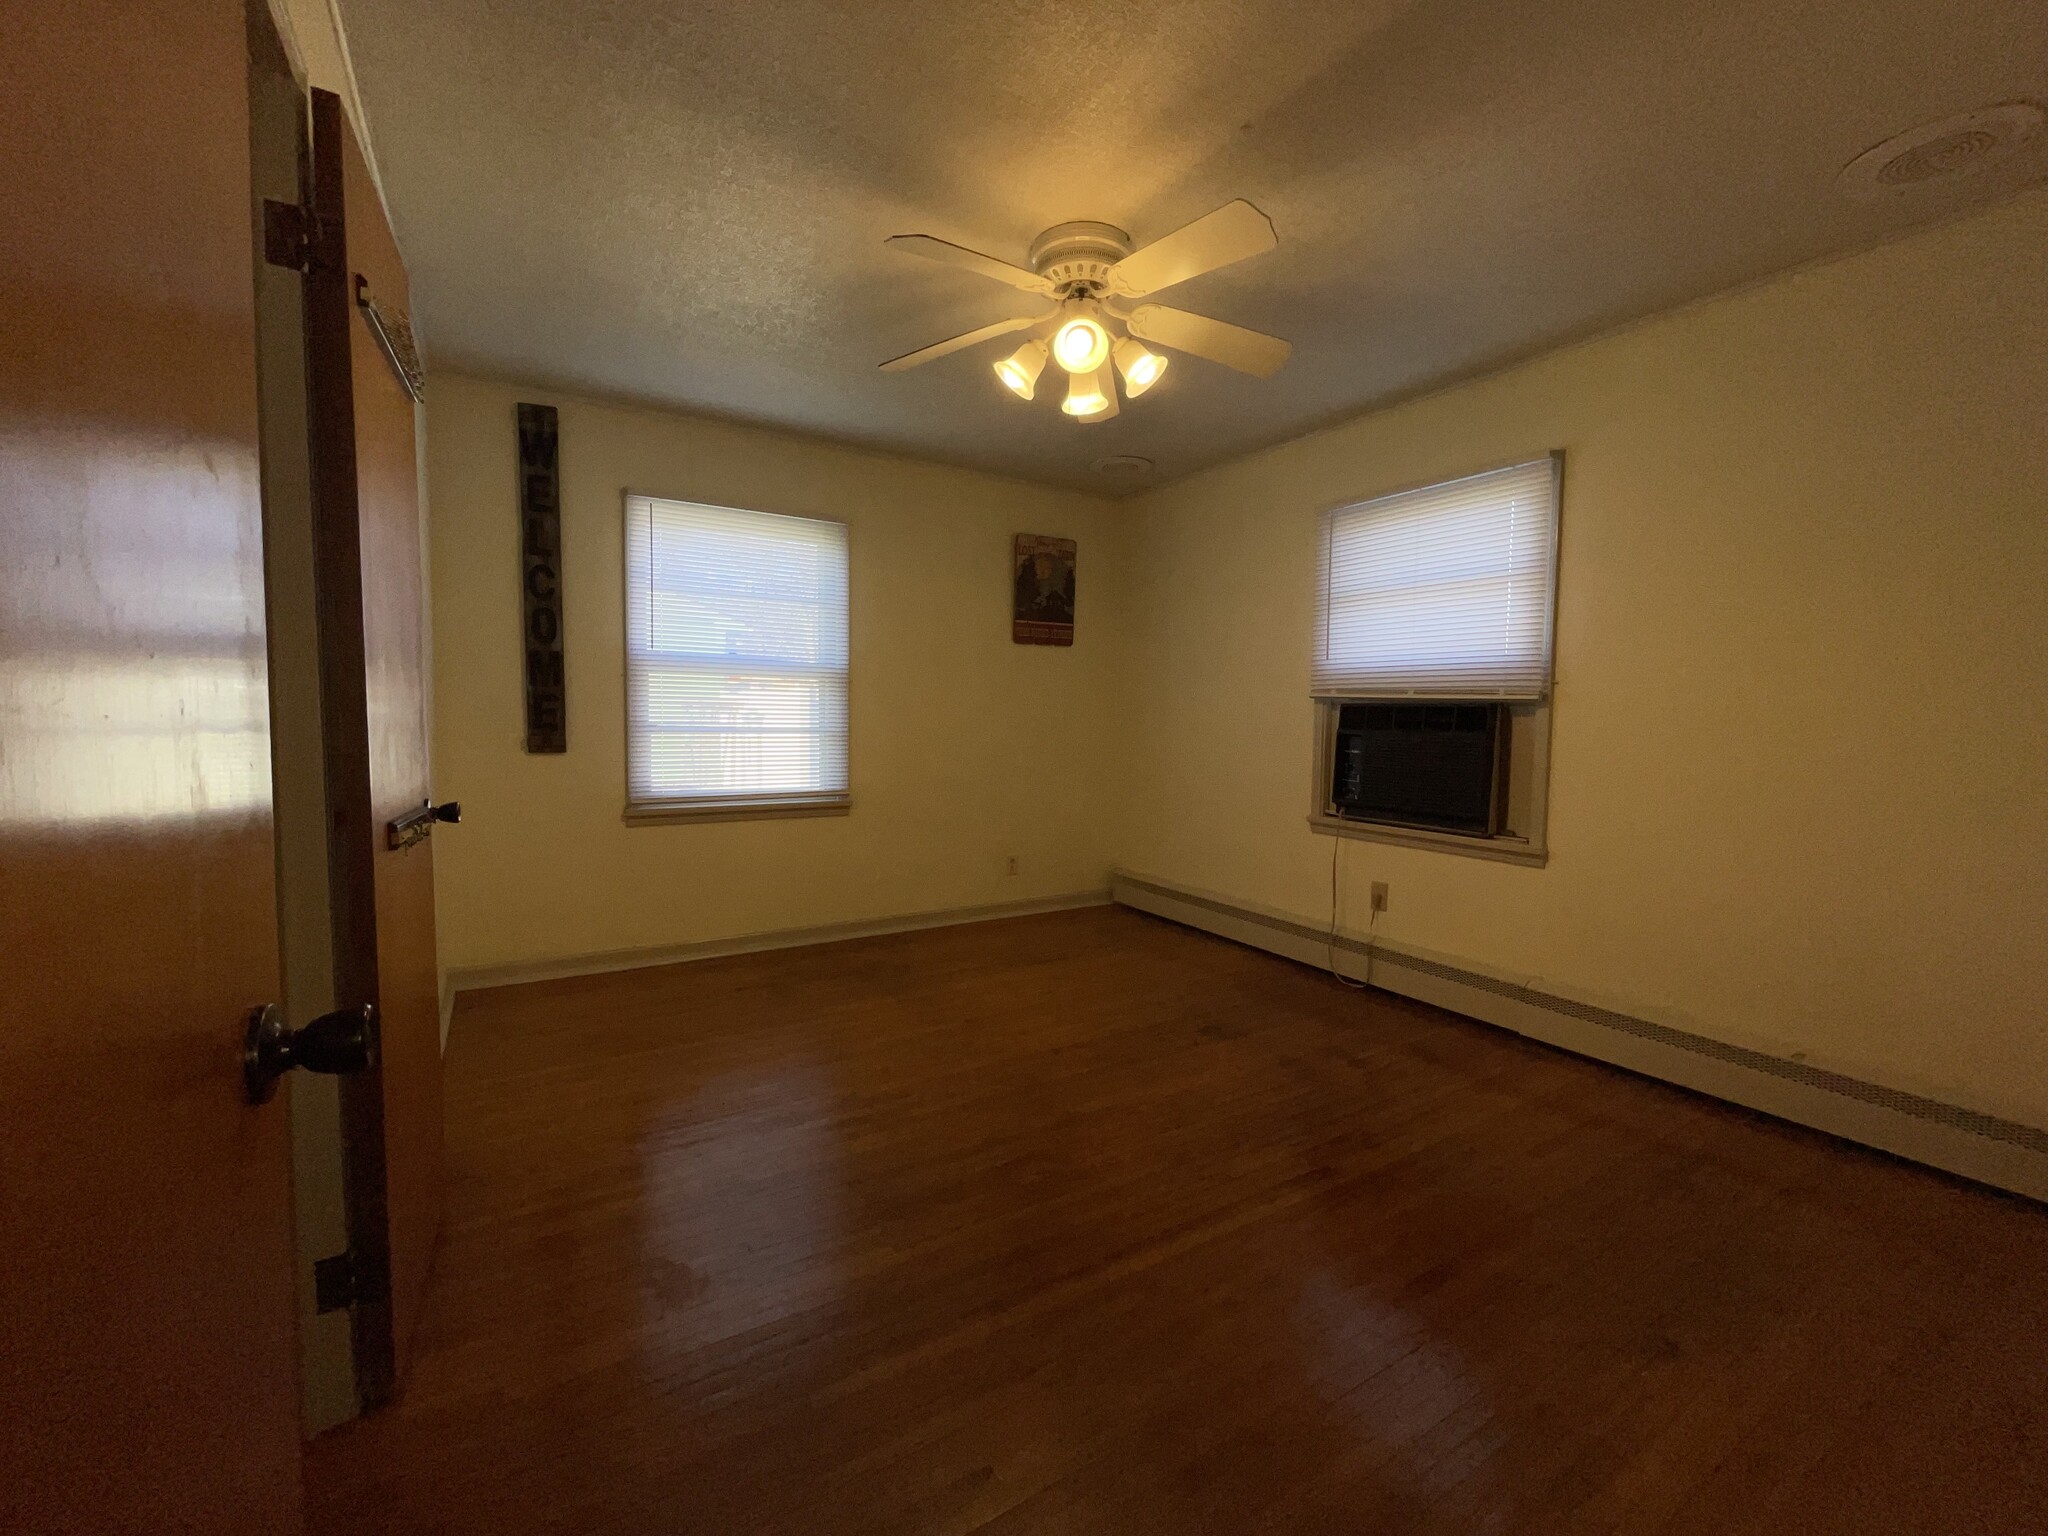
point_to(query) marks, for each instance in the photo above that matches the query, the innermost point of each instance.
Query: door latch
(414, 825)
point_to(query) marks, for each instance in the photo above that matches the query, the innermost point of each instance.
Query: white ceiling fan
(1090, 272)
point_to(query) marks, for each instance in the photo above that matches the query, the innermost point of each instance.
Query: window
(736, 643)
(1442, 592)
(1442, 595)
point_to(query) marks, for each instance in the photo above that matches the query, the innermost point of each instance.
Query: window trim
(796, 805)
(656, 812)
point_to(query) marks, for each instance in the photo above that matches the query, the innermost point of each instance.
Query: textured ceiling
(684, 201)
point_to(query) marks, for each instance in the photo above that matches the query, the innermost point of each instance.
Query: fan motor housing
(1076, 257)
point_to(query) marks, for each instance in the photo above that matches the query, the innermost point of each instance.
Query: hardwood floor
(1088, 1223)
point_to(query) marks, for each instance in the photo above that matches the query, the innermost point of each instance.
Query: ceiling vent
(1933, 152)
(1125, 467)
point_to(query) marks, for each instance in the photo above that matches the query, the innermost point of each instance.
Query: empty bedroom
(1202, 766)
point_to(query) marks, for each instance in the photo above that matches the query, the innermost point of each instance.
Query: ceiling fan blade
(1231, 233)
(1252, 352)
(934, 249)
(955, 343)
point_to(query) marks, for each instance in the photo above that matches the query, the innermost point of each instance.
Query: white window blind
(1442, 592)
(735, 657)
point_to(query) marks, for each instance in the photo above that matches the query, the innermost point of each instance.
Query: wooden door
(147, 1363)
(372, 642)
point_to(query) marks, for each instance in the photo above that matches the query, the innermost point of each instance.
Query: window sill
(1502, 850)
(736, 810)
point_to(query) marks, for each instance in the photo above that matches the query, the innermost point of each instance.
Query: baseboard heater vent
(1143, 894)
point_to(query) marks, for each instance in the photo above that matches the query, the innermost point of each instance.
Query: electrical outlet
(1379, 895)
(1011, 863)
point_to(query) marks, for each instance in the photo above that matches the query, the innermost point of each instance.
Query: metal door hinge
(337, 1282)
(287, 235)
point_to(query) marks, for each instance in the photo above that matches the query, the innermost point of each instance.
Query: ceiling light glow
(1020, 370)
(1081, 346)
(1140, 367)
(1087, 393)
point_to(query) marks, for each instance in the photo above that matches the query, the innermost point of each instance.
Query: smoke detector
(1941, 151)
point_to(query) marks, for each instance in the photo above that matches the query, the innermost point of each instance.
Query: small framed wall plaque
(1043, 572)
(540, 580)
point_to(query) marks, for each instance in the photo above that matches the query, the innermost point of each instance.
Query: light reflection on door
(113, 742)
(97, 736)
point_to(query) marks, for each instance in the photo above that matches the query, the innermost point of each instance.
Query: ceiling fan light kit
(1081, 345)
(1089, 395)
(1088, 270)
(1020, 370)
(1141, 369)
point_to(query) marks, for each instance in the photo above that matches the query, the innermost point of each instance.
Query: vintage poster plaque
(540, 559)
(1043, 611)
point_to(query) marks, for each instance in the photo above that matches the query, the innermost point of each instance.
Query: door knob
(338, 1042)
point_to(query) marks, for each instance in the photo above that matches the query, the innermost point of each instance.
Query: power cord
(1337, 843)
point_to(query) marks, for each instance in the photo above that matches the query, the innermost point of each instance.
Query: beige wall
(1799, 791)
(965, 748)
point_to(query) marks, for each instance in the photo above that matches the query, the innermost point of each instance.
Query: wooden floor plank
(1089, 1223)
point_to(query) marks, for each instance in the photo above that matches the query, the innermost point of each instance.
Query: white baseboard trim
(1992, 1150)
(476, 977)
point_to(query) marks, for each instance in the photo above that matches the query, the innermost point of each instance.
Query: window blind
(736, 641)
(1441, 592)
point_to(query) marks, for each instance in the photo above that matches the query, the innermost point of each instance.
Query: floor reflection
(743, 1218)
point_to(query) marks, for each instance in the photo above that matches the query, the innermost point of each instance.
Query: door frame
(279, 165)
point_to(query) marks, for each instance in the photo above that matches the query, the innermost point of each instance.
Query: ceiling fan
(1089, 272)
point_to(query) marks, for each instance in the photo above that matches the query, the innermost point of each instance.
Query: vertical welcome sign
(540, 560)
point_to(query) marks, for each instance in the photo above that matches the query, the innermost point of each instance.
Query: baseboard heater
(2004, 1153)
